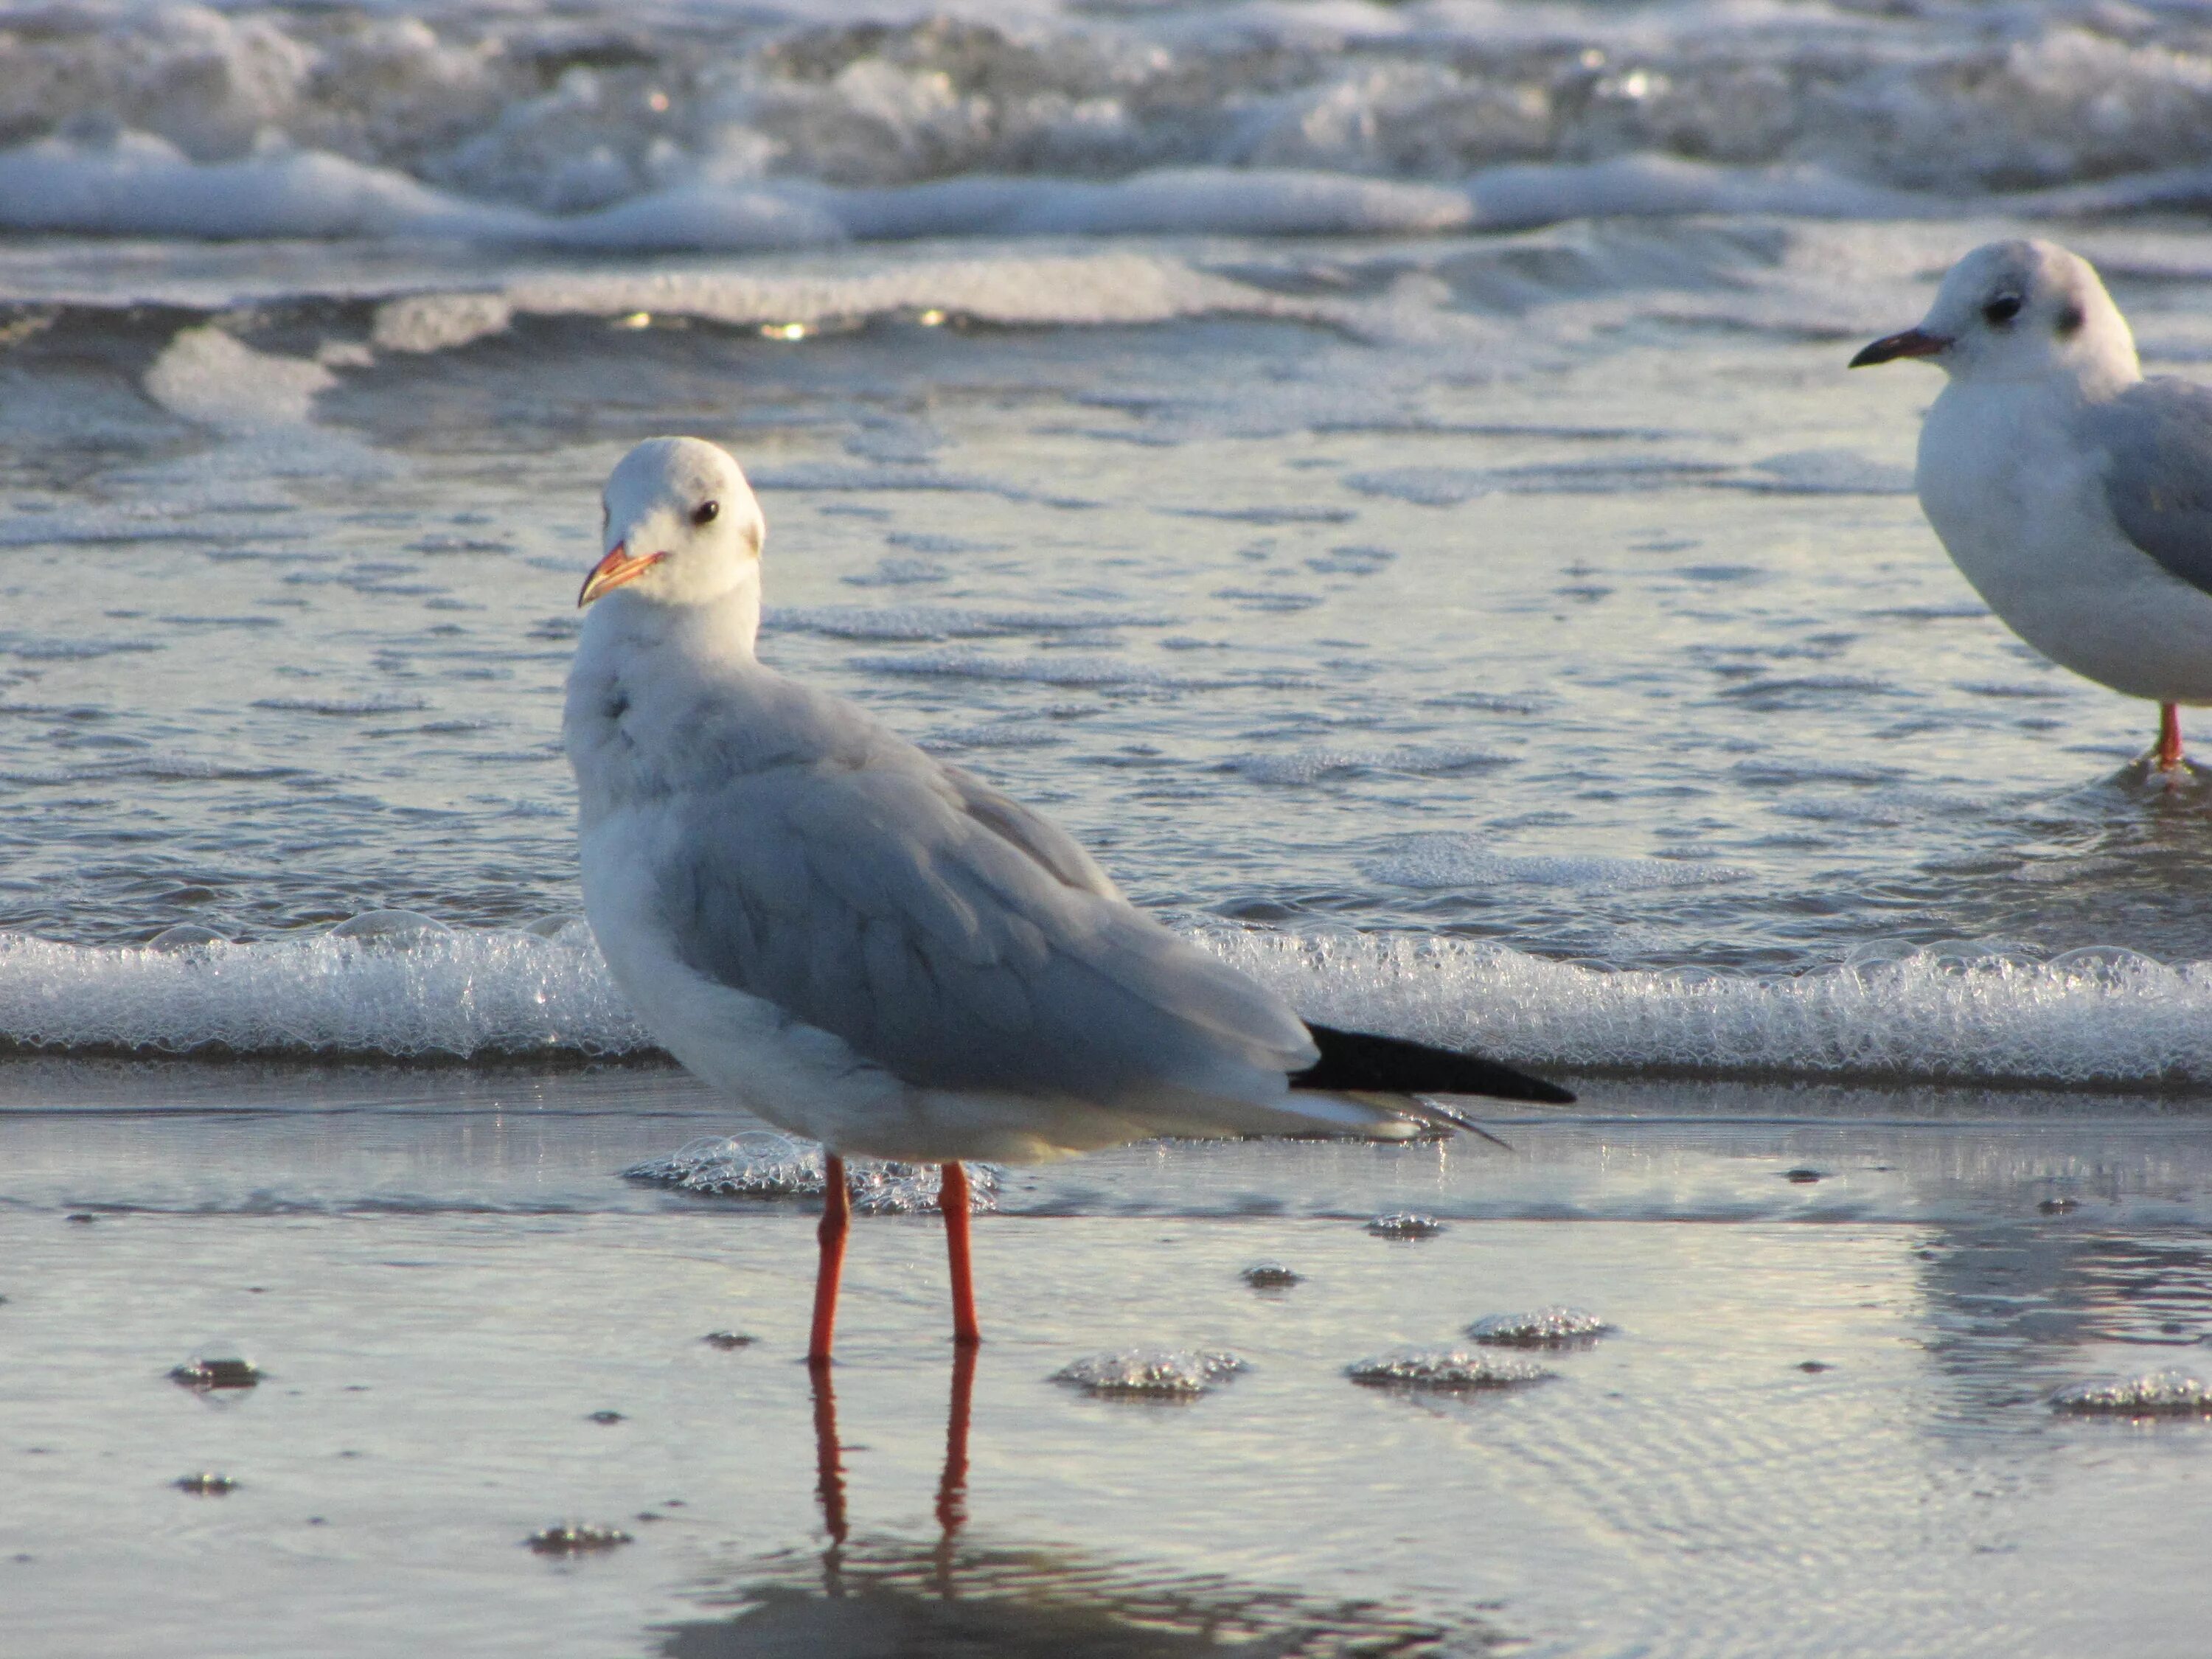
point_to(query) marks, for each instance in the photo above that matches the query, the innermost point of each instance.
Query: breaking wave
(819, 121)
(392, 987)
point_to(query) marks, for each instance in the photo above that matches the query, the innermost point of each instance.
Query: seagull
(879, 951)
(2074, 495)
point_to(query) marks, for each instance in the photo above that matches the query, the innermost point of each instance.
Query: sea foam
(2107, 1018)
(423, 995)
(809, 121)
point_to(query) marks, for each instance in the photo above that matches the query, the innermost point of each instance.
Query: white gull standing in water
(2074, 493)
(874, 949)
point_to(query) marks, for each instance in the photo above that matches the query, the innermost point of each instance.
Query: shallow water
(1821, 1422)
(1551, 591)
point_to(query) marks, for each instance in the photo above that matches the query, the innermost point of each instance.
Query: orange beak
(1911, 344)
(619, 566)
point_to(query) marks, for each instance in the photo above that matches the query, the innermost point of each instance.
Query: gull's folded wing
(949, 933)
(2158, 481)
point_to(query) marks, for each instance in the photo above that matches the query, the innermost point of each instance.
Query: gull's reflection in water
(882, 1597)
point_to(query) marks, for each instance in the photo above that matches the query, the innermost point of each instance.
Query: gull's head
(2019, 311)
(680, 527)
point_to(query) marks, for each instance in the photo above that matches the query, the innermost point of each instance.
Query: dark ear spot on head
(2070, 321)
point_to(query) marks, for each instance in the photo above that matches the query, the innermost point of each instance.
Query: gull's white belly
(2020, 506)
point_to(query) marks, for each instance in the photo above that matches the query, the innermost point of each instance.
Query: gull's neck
(720, 629)
(2109, 372)
(2086, 378)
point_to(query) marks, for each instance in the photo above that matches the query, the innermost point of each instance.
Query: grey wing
(2158, 482)
(1031, 831)
(957, 939)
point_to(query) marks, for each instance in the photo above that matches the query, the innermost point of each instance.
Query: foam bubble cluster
(575, 1538)
(1546, 1327)
(2153, 1393)
(762, 1163)
(1405, 1224)
(1444, 1369)
(1151, 1373)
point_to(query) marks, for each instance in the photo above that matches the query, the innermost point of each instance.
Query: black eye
(2003, 309)
(705, 512)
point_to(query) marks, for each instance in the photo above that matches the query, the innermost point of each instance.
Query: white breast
(2019, 503)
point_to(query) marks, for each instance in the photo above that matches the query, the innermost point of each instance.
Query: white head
(2020, 311)
(681, 527)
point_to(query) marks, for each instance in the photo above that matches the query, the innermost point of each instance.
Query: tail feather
(1358, 1062)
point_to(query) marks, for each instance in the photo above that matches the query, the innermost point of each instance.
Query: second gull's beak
(619, 566)
(1911, 344)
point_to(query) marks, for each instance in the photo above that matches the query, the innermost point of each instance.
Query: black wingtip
(1360, 1061)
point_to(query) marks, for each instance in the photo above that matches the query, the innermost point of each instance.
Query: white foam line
(2107, 1018)
(2101, 1019)
(460, 995)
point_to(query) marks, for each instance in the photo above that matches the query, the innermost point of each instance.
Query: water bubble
(1151, 1373)
(388, 927)
(2153, 1393)
(1446, 1370)
(205, 1484)
(574, 1538)
(218, 1366)
(2058, 1206)
(894, 1188)
(1546, 1327)
(1405, 1225)
(184, 936)
(726, 1340)
(762, 1163)
(1802, 1177)
(758, 1164)
(608, 1417)
(1271, 1276)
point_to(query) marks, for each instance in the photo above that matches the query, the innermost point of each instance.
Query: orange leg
(836, 1222)
(2169, 738)
(952, 1199)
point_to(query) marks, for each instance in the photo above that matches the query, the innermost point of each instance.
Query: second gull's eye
(705, 512)
(2003, 309)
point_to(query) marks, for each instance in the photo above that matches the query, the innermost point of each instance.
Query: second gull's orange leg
(2169, 737)
(836, 1222)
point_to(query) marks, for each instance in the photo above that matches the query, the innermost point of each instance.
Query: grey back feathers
(2158, 435)
(944, 931)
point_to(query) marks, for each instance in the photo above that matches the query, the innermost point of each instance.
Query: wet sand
(1820, 1422)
